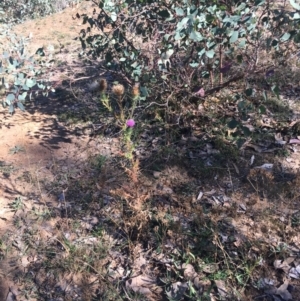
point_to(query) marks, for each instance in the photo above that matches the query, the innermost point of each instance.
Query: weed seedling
(17, 204)
(16, 149)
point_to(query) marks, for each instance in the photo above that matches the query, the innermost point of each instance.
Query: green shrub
(16, 11)
(21, 74)
(185, 50)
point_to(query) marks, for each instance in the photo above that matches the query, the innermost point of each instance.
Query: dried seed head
(136, 90)
(102, 84)
(118, 90)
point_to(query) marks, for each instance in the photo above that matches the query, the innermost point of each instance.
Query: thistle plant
(128, 131)
(119, 90)
(130, 123)
(103, 96)
(124, 117)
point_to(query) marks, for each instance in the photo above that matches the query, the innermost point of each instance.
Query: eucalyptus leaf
(233, 124)
(210, 54)
(11, 108)
(295, 5)
(275, 90)
(194, 65)
(196, 36)
(249, 92)
(30, 82)
(21, 106)
(262, 109)
(10, 98)
(234, 37)
(179, 11)
(22, 96)
(285, 37)
(114, 16)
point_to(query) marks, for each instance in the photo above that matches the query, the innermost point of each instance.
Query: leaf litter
(234, 219)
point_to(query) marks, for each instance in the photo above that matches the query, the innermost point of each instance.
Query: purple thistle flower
(130, 123)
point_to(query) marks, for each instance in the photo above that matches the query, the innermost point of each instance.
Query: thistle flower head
(136, 90)
(102, 84)
(130, 123)
(118, 90)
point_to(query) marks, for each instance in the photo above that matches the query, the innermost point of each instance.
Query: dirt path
(33, 142)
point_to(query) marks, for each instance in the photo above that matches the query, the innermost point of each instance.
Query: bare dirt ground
(37, 132)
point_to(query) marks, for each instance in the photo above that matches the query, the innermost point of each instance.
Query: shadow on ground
(82, 224)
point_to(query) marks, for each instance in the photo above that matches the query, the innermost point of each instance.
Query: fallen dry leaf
(295, 272)
(282, 265)
(266, 166)
(210, 268)
(294, 141)
(283, 292)
(221, 288)
(189, 271)
(177, 290)
(141, 284)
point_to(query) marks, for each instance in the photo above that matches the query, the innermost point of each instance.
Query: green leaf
(25, 87)
(296, 16)
(114, 16)
(241, 6)
(144, 91)
(246, 131)
(240, 142)
(295, 5)
(169, 53)
(22, 96)
(164, 13)
(297, 38)
(210, 54)
(30, 82)
(10, 98)
(108, 57)
(233, 124)
(239, 58)
(194, 65)
(249, 91)
(265, 95)
(182, 23)
(285, 37)
(196, 36)
(242, 43)
(275, 90)
(259, 2)
(40, 52)
(234, 37)
(167, 36)
(241, 105)
(21, 106)
(21, 76)
(177, 36)
(11, 108)
(179, 11)
(262, 109)
(134, 65)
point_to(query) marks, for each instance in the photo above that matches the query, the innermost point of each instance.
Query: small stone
(156, 174)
